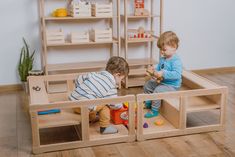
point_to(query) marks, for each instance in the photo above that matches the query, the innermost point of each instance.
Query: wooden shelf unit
(86, 132)
(45, 20)
(151, 17)
(77, 18)
(197, 95)
(139, 17)
(76, 66)
(83, 43)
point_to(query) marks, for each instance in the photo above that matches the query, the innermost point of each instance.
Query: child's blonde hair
(168, 38)
(117, 65)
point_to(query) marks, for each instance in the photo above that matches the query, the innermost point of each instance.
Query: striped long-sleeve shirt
(95, 85)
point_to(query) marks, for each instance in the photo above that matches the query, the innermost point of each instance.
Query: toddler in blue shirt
(169, 68)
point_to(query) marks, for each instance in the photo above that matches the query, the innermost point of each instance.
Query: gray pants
(152, 86)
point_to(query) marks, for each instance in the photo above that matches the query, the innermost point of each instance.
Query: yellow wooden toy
(159, 122)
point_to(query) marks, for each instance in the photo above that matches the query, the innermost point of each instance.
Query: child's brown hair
(168, 38)
(117, 65)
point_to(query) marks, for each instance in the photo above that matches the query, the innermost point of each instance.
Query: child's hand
(150, 68)
(158, 74)
(150, 71)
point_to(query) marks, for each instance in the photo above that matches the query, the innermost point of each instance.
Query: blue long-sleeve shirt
(172, 70)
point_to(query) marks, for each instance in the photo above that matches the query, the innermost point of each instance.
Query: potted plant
(25, 64)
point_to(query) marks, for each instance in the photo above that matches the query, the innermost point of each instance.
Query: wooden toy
(55, 36)
(145, 125)
(196, 95)
(79, 37)
(61, 12)
(140, 33)
(79, 8)
(151, 75)
(85, 132)
(139, 8)
(100, 10)
(48, 111)
(159, 122)
(101, 35)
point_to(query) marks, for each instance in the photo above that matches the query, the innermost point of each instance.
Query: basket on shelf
(102, 9)
(79, 9)
(78, 37)
(55, 36)
(101, 35)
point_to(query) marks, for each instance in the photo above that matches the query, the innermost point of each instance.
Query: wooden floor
(15, 134)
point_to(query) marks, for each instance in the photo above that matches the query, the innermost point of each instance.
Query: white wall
(206, 30)
(205, 27)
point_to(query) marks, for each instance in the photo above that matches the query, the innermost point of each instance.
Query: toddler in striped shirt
(101, 85)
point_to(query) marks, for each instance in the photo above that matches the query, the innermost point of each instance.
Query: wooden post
(223, 104)
(140, 121)
(35, 130)
(85, 123)
(183, 112)
(131, 116)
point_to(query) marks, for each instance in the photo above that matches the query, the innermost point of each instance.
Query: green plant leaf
(26, 61)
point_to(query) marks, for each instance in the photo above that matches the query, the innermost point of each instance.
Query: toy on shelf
(79, 37)
(159, 122)
(140, 33)
(48, 111)
(145, 125)
(55, 36)
(61, 12)
(102, 9)
(101, 35)
(139, 8)
(79, 8)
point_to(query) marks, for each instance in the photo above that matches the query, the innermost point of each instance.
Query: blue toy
(48, 111)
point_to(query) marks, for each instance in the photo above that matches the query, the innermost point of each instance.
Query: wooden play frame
(43, 99)
(196, 95)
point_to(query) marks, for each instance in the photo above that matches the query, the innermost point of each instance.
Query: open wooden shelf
(64, 118)
(135, 82)
(140, 71)
(152, 128)
(140, 17)
(194, 104)
(95, 134)
(69, 18)
(76, 66)
(140, 62)
(83, 43)
(140, 40)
